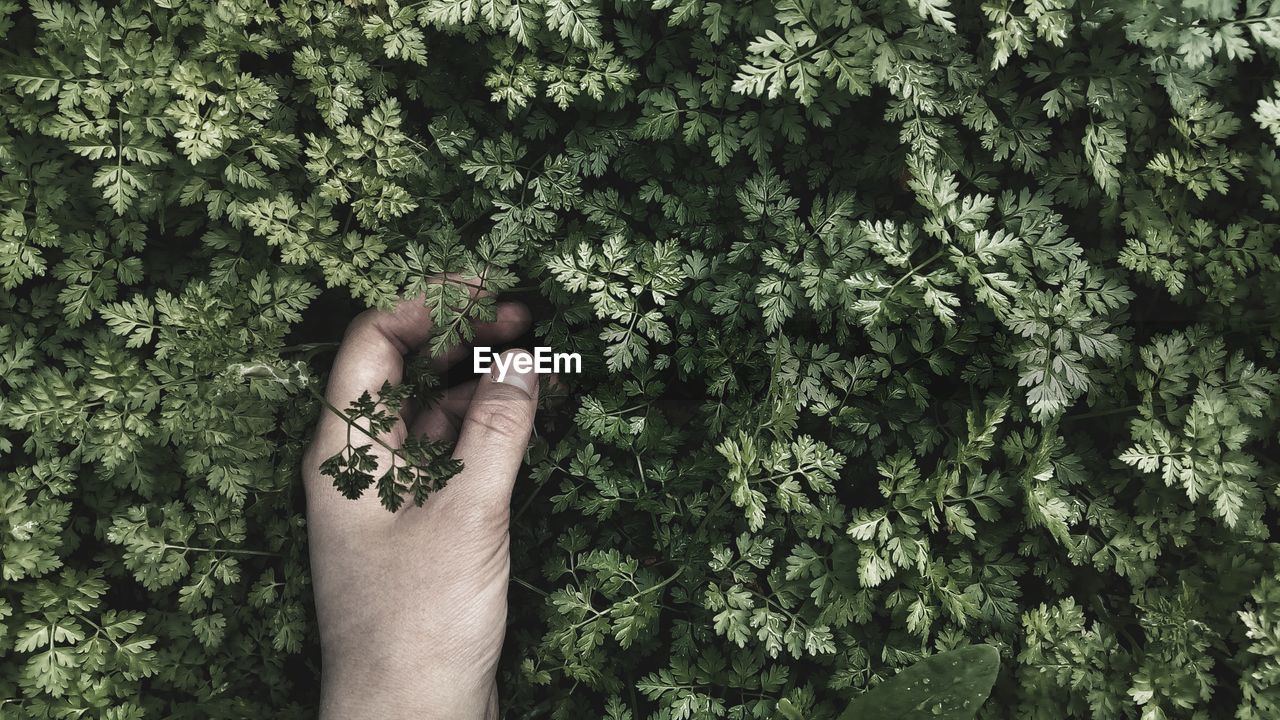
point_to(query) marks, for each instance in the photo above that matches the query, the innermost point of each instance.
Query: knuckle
(361, 329)
(370, 328)
(502, 415)
(363, 323)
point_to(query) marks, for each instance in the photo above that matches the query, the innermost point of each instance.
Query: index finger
(372, 353)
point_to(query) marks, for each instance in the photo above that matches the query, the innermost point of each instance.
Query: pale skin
(412, 605)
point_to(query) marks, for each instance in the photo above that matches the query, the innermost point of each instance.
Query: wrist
(369, 694)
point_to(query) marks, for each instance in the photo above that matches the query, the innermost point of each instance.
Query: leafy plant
(907, 327)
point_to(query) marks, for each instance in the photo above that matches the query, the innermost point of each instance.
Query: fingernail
(515, 368)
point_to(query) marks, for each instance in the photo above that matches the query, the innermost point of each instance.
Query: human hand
(412, 605)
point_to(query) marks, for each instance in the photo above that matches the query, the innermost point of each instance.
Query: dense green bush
(907, 324)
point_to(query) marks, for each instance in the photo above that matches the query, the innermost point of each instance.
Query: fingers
(441, 421)
(493, 438)
(511, 320)
(372, 352)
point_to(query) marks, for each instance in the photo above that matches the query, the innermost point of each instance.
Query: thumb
(495, 434)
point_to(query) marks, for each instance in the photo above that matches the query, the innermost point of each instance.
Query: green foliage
(906, 326)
